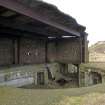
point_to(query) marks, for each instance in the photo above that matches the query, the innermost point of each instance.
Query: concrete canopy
(51, 21)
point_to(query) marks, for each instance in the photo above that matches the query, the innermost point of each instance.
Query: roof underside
(31, 16)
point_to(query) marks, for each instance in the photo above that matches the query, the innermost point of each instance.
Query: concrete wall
(90, 78)
(24, 75)
(10, 76)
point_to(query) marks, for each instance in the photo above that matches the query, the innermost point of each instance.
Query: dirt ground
(94, 95)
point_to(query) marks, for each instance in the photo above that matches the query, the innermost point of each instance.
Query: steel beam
(4, 31)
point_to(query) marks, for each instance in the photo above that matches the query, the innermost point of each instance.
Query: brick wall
(65, 51)
(6, 51)
(32, 51)
(51, 52)
(69, 51)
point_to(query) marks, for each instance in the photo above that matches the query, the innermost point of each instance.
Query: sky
(89, 13)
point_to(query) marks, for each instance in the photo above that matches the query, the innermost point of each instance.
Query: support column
(16, 51)
(78, 76)
(63, 68)
(46, 53)
(103, 78)
(86, 79)
(35, 78)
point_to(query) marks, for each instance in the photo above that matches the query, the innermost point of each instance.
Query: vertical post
(15, 51)
(64, 68)
(35, 78)
(78, 75)
(46, 48)
(86, 79)
(18, 50)
(85, 55)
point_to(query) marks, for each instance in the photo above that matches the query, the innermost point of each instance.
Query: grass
(94, 95)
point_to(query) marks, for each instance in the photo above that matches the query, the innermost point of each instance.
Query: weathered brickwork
(69, 51)
(32, 51)
(6, 51)
(26, 50)
(65, 51)
(51, 52)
